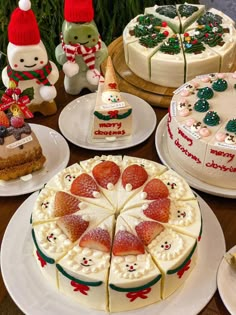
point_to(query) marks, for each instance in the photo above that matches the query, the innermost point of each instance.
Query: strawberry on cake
(116, 233)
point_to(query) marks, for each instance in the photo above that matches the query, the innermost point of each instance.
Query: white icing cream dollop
(132, 266)
(168, 245)
(181, 213)
(86, 260)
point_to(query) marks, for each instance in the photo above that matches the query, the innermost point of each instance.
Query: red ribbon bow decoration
(112, 85)
(80, 287)
(138, 294)
(22, 102)
(185, 268)
(42, 261)
(113, 113)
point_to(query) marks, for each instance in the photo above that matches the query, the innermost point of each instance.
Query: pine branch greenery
(110, 18)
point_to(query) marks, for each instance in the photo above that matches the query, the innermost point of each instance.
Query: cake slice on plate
(188, 13)
(83, 271)
(169, 56)
(52, 240)
(20, 151)
(134, 279)
(134, 174)
(106, 170)
(74, 180)
(112, 115)
(174, 253)
(166, 13)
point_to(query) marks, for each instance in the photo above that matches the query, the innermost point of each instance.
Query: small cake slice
(112, 115)
(106, 170)
(169, 56)
(20, 151)
(135, 173)
(167, 186)
(166, 13)
(188, 13)
(83, 271)
(134, 279)
(52, 240)
(199, 57)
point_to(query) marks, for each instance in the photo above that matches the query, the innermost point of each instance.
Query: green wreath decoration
(109, 117)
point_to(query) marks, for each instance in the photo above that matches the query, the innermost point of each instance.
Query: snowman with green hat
(81, 50)
(28, 65)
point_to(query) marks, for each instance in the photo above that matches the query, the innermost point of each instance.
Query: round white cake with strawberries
(116, 233)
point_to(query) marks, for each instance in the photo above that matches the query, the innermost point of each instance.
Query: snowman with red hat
(81, 50)
(28, 64)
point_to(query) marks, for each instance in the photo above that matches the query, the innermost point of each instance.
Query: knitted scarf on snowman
(87, 53)
(40, 74)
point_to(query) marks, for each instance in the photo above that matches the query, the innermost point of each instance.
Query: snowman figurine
(28, 64)
(81, 50)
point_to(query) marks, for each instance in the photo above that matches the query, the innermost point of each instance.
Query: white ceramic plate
(76, 118)
(166, 158)
(57, 153)
(226, 280)
(34, 296)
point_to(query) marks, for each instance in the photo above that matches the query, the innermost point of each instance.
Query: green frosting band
(169, 272)
(88, 283)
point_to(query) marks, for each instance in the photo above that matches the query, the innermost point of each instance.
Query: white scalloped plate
(57, 153)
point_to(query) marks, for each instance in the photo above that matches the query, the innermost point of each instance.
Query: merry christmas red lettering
(186, 152)
(223, 154)
(222, 168)
(110, 125)
(183, 135)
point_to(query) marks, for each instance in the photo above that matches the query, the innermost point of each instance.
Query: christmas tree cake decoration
(206, 93)
(112, 117)
(28, 64)
(212, 119)
(81, 50)
(231, 125)
(201, 105)
(220, 85)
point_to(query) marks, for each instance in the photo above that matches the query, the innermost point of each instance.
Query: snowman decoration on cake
(28, 64)
(81, 50)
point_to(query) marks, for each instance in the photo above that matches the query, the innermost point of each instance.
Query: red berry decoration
(186, 34)
(17, 121)
(165, 33)
(164, 24)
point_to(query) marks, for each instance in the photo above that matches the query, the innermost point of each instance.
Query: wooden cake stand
(154, 94)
